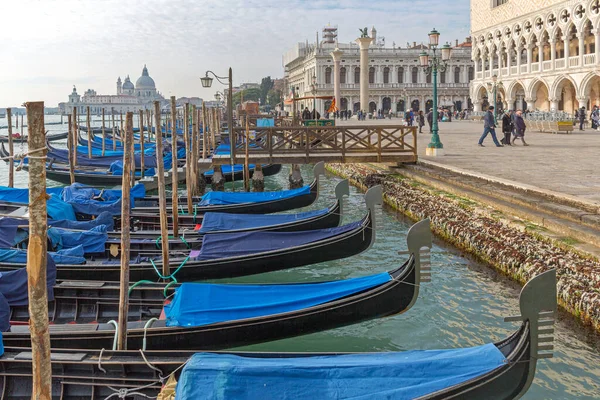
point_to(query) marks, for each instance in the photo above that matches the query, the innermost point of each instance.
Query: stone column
(581, 48)
(508, 61)
(596, 45)
(510, 103)
(518, 49)
(583, 102)
(566, 45)
(476, 106)
(552, 53)
(337, 57)
(540, 56)
(530, 104)
(553, 104)
(529, 56)
(364, 43)
(482, 66)
(499, 55)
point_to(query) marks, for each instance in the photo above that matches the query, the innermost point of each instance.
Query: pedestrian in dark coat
(489, 126)
(507, 127)
(520, 128)
(581, 118)
(421, 121)
(430, 120)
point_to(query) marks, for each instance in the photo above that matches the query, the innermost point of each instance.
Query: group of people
(513, 125)
(343, 114)
(594, 117)
(307, 114)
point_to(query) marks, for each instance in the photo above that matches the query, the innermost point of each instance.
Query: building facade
(129, 97)
(544, 53)
(396, 81)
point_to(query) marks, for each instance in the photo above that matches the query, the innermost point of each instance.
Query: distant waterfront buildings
(127, 98)
(396, 81)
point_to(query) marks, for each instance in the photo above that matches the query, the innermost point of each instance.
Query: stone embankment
(515, 252)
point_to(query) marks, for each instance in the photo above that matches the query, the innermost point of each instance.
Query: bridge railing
(378, 143)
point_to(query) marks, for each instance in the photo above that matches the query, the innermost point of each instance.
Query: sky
(47, 46)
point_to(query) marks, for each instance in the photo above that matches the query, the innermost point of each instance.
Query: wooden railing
(304, 144)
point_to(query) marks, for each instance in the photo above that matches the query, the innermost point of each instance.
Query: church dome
(127, 84)
(144, 81)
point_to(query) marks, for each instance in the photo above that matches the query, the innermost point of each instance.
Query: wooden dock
(337, 144)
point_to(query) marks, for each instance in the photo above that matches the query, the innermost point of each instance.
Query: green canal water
(463, 306)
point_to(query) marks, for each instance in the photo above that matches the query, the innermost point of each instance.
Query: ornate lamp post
(431, 66)
(493, 88)
(314, 91)
(206, 83)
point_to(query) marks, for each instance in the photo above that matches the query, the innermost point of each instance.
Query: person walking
(581, 118)
(519, 128)
(430, 120)
(507, 127)
(489, 126)
(421, 117)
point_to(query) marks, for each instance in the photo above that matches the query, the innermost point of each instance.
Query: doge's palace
(544, 53)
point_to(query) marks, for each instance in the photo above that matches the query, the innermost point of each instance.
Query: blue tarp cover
(265, 122)
(69, 256)
(398, 375)
(221, 245)
(214, 221)
(56, 208)
(13, 288)
(221, 198)
(8, 230)
(62, 156)
(18, 195)
(197, 304)
(92, 241)
(104, 218)
(90, 201)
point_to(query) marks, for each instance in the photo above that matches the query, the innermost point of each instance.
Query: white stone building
(545, 53)
(396, 80)
(128, 97)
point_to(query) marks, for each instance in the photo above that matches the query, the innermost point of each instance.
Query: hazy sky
(49, 45)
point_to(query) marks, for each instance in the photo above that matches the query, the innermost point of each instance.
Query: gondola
(235, 315)
(97, 374)
(92, 178)
(240, 203)
(215, 222)
(230, 255)
(51, 138)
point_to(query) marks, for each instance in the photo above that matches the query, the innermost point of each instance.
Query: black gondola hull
(390, 298)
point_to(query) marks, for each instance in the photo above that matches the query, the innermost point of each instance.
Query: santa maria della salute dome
(129, 97)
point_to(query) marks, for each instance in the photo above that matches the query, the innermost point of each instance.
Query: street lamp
(314, 90)
(206, 83)
(493, 87)
(431, 66)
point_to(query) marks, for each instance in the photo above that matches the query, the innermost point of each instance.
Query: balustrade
(589, 59)
(574, 61)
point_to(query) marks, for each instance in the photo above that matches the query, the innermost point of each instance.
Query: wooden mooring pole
(142, 140)
(89, 132)
(125, 224)
(246, 157)
(114, 131)
(103, 135)
(70, 151)
(195, 150)
(74, 134)
(188, 157)
(11, 150)
(162, 194)
(36, 254)
(174, 173)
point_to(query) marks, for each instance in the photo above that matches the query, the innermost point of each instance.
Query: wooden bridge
(337, 144)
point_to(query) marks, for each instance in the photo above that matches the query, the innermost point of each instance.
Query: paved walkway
(568, 164)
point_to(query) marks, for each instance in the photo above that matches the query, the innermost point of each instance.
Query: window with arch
(471, 73)
(415, 75)
(428, 78)
(372, 75)
(400, 75)
(357, 75)
(496, 3)
(343, 75)
(442, 77)
(328, 75)
(457, 75)
(386, 75)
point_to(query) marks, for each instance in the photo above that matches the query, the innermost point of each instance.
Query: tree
(252, 94)
(265, 86)
(274, 97)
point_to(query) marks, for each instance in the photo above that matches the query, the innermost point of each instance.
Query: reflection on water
(464, 305)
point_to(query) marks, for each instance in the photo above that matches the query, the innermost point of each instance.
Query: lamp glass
(314, 80)
(494, 78)
(424, 59)
(434, 37)
(206, 81)
(446, 52)
(217, 96)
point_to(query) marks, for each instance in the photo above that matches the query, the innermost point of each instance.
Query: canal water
(463, 306)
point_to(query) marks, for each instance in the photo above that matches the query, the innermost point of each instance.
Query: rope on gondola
(158, 241)
(171, 276)
(23, 155)
(138, 283)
